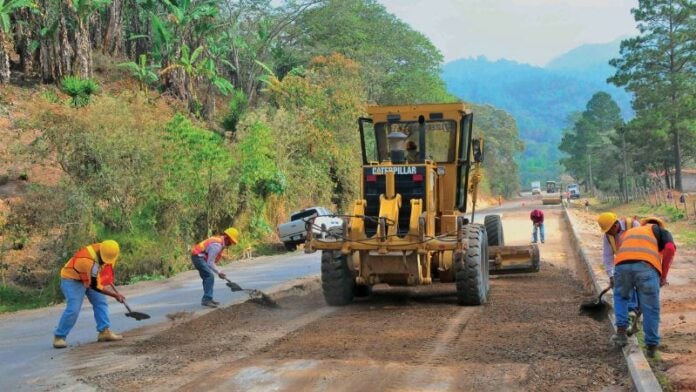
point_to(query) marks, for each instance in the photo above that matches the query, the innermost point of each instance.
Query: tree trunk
(83, 50)
(113, 44)
(676, 145)
(4, 60)
(96, 28)
(64, 51)
(25, 34)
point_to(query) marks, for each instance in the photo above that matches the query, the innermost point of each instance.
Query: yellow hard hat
(233, 234)
(606, 220)
(109, 251)
(653, 220)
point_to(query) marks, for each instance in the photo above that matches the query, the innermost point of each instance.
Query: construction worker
(642, 261)
(613, 228)
(89, 272)
(537, 217)
(205, 256)
(411, 152)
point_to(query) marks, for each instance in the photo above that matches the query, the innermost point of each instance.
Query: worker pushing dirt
(205, 256)
(642, 261)
(90, 272)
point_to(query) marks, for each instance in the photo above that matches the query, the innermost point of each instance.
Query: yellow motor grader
(420, 165)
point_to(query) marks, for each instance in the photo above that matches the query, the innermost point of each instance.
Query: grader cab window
(439, 146)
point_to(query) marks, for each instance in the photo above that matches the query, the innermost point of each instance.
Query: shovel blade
(138, 315)
(234, 286)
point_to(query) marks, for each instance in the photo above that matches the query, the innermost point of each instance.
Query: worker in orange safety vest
(90, 272)
(642, 262)
(205, 256)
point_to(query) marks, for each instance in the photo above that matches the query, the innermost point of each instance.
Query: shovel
(257, 295)
(595, 306)
(136, 315)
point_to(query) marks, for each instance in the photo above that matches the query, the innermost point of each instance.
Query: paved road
(29, 362)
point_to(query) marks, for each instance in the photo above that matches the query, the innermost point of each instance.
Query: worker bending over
(642, 262)
(89, 272)
(205, 256)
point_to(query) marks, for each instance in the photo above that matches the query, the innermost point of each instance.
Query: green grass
(13, 298)
(146, 278)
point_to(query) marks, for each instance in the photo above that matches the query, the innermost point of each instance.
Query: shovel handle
(604, 292)
(124, 301)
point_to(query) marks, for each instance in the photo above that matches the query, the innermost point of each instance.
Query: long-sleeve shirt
(212, 251)
(608, 251)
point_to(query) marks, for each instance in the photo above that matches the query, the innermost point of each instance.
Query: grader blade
(513, 259)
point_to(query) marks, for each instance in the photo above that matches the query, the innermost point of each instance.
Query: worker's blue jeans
(207, 275)
(540, 229)
(74, 292)
(645, 280)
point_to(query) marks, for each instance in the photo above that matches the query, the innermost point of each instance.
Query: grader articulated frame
(420, 167)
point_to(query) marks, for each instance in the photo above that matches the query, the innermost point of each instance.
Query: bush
(79, 90)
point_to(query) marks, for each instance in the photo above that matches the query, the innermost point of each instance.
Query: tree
(7, 7)
(659, 67)
(592, 143)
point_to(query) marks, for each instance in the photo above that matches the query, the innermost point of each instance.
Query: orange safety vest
(200, 247)
(105, 274)
(639, 244)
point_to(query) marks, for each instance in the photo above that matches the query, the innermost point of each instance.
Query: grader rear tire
(471, 268)
(337, 281)
(494, 230)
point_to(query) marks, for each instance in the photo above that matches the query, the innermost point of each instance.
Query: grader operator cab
(420, 166)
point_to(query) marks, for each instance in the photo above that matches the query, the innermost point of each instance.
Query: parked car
(294, 232)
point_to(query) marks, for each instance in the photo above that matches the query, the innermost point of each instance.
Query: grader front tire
(471, 268)
(337, 281)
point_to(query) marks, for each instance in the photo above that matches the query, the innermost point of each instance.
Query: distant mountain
(590, 57)
(540, 99)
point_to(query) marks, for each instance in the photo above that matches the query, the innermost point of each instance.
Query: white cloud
(530, 31)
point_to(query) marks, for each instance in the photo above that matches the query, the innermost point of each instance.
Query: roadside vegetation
(658, 66)
(163, 122)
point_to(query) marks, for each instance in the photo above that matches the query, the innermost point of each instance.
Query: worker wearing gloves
(613, 228)
(642, 262)
(89, 272)
(537, 217)
(205, 256)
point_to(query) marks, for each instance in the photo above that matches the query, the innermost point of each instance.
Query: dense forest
(167, 120)
(659, 68)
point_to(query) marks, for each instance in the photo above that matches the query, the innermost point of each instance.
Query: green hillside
(540, 99)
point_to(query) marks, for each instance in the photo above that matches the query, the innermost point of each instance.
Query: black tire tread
(494, 229)
(337, 281)
(471, 268)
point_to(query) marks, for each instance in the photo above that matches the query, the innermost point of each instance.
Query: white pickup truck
(294, 232)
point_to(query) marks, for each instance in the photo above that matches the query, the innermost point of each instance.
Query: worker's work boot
(209, 303)
(59, 342)
(215, 302)
(632, 323)
(620, 338)
(108, 336)
(651, 350)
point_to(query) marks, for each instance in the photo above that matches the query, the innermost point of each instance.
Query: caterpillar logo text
(380, 171)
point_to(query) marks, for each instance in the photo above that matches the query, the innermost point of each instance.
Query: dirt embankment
(678, 299)
(529, 336)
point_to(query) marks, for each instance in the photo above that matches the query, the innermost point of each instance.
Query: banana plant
(143, 72)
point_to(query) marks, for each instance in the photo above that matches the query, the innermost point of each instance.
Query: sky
(527, 31)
